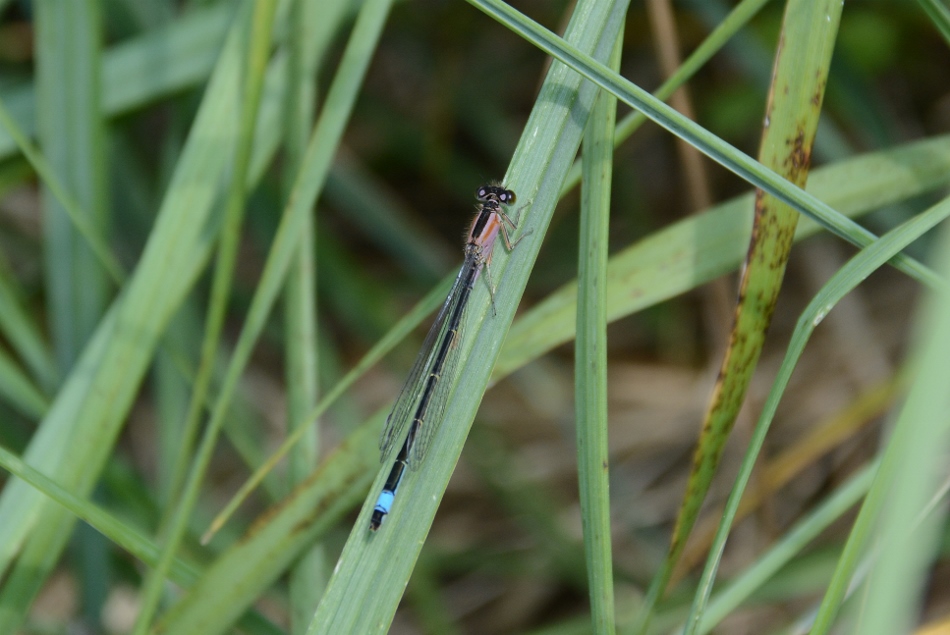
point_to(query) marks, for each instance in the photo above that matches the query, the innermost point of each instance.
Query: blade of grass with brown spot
(791, 119)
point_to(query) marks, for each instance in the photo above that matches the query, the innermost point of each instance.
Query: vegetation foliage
(224, 224)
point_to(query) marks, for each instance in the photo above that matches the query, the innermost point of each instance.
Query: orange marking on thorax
(485, 239)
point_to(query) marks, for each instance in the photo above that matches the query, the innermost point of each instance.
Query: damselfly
(421, 403)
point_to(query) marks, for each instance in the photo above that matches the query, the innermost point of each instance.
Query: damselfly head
(495, 193)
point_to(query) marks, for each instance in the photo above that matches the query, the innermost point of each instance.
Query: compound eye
(481, 193)
(508, 197)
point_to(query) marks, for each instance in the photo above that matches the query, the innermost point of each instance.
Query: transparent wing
(405, 406)
(435, 409)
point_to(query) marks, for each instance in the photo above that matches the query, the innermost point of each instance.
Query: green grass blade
(71, 133)
(843, 282)
(696, 250)
(309, 575)
(737, 18)
(791, 121)
(141, 70)
(258, 44)
(441, 107)
(386, 221)
(911, 526)
(117, 530)
(17, 388)
(70, 205)
(396, 334)
(892, 463)
(70, 130)
(23, 335)
(314, 507)
(791, 545)
(373, 569)
(738, 162)
(88, 411)
(590, 363)
(310, 180)
(284, 532)
(640, 277)
(938, 12)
